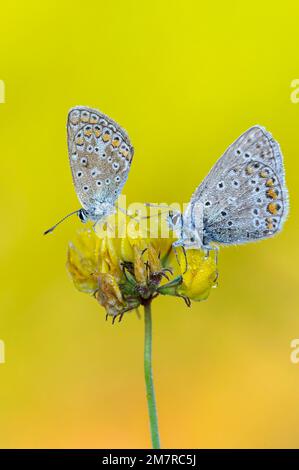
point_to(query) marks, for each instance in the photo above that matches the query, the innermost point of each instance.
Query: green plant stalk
(150, 392)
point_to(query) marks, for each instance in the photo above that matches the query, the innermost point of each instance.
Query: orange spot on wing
(270, 182)
(97, 132)
(79, 141)
(116, 142)
(273, 208)
(271, 193)
(106, 137)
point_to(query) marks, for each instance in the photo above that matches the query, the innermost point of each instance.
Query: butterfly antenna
(65, 217)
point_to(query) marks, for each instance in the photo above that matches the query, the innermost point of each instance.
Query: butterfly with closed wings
(100, 155)
(244, 197)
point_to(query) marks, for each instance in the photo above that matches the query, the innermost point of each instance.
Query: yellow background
(185, 79)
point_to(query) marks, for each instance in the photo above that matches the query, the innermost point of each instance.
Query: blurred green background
(185, 79)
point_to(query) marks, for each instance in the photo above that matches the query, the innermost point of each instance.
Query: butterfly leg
(177, 258)
(207, 249)
(186, 260)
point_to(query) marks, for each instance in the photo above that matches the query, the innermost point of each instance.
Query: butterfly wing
(244, 196)
(100, 156)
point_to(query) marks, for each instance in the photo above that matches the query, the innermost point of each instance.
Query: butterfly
(100, 155)
(244, 197)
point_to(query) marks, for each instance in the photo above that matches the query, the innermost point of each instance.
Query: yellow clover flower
(124, 273)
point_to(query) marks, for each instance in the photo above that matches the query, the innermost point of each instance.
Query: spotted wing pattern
(244, 196)
(100, 156)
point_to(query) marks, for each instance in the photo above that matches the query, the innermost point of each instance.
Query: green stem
(150, 392)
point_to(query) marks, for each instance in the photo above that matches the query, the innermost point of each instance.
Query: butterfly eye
(99, 183)
(83, 216)
(115, 166)
(192, 239)
(79, 174)
(175, 218)
(85, 188)
(220, 185)
(107, 181)
(109, 159)
(83, 161)
(117, 179)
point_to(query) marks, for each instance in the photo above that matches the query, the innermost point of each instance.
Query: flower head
(123, 273)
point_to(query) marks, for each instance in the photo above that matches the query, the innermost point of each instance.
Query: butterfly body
(244, 197)
(95, 214)
(189, 227)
